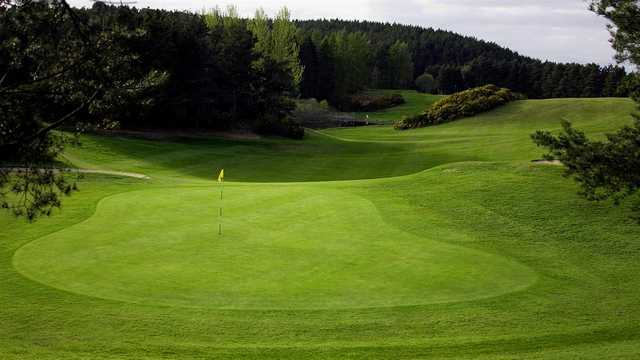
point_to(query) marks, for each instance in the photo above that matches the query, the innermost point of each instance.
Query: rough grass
(469, 252)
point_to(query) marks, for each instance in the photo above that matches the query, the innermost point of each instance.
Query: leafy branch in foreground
(604, 169)
(625, 27)
(57, 68)
(610, 168)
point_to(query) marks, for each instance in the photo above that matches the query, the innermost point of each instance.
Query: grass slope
(469, 252)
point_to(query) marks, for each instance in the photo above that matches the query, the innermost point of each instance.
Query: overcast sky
(558, 30)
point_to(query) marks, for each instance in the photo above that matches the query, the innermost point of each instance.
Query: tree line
(394, 56)
(223, 71)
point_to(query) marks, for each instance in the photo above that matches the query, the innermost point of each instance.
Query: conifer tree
(607, 168)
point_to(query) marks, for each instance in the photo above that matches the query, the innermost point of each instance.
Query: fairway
(444, 242)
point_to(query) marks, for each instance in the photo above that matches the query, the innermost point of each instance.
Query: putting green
(296, 246)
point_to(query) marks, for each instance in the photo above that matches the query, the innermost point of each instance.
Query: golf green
(163, 247)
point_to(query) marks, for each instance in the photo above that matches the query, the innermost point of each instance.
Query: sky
(557, 30)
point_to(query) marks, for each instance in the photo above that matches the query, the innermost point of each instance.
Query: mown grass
(468, 252)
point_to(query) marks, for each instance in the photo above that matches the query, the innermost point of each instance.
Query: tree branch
(42, 132)
(62, 120)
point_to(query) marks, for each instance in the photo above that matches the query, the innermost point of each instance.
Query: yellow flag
(221, 176)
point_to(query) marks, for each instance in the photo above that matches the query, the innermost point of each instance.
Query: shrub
(410, 122)
(459, 105)
(310, 113)
(282, 127)
(425, 83)
(370, 102)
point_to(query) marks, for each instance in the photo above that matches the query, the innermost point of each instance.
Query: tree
(310, 78)
(604, 169)
(278, 41)
(231, 59)
(250, 81)
(55, 65)
(614, 76)
(425, 83)
(449, 80)
(346, 64)
(592, 80)
(260, 28)
(400, 65)
(479, 62)
(356, 59)
(624, 15)
(381, 76)
(610, 168)
(326, 70)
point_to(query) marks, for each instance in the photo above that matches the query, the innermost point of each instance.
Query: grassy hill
(442, 242)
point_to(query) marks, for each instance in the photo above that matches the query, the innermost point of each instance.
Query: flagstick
(220, 214)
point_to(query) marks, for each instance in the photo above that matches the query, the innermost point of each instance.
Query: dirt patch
(167, 134)
(91, 171)
(116, 173)
(548, 162)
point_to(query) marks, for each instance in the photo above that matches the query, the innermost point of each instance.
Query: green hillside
(355, 243)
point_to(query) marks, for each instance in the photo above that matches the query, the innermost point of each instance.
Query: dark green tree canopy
(57, 66)
(425, 83)
(465, 62)
(624, 15)
(64, 69)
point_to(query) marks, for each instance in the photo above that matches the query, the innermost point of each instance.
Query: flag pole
(220, 213)
(221, 181)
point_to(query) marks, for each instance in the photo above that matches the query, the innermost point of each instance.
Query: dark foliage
(460, 63)
(604, 169)
(285, 127)
(310, 78)
(411, 122)
(425, 83)
(373, 102)
(216, 79)
(58, 66)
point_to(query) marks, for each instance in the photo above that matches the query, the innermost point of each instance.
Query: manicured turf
(443, 242)
(283, 247)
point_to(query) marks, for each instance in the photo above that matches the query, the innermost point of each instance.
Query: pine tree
(279, 42)
(608, 168)
(401, 65)
(310, 78)
(449, 80)
(425, 83)
(285, 44)
(326, 71)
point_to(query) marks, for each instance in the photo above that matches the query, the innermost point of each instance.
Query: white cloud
(558, 30)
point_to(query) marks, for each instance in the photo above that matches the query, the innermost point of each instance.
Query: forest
(216, 70)
(392, 56)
